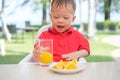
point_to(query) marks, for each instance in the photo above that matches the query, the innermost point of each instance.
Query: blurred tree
(44, 8)
(4, 25)
(91, 24)
(81, 29)
(108, 6)
(44, 3)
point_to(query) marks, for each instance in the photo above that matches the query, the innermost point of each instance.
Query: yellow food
(66, 65)
(59, 65)
(70, 66)
(74, 61)
(46, 57)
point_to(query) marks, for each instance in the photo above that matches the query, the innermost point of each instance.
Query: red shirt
(66, 42)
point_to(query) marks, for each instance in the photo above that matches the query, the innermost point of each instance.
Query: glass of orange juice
(46, 48)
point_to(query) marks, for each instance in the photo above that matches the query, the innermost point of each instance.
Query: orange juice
(46, 57)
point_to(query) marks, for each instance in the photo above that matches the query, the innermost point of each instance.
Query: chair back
(44, 28)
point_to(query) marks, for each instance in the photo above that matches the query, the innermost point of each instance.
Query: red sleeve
(84, 44)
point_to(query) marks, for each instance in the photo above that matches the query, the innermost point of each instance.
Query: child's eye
(55, 17)
(66, 18)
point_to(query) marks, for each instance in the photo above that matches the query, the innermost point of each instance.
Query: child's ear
(74, 17)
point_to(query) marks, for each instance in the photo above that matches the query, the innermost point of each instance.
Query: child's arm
(76, 55)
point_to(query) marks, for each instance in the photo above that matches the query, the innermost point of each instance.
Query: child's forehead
(62, 7)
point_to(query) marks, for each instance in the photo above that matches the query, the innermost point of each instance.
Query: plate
(81, 66)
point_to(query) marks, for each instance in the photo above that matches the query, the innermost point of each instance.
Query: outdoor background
(98, 20)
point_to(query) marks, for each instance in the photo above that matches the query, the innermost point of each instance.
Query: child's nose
(61, 20)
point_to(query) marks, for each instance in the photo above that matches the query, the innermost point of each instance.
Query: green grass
(100, 52)
(17, 50)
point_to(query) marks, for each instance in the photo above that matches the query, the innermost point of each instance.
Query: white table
(93, 71)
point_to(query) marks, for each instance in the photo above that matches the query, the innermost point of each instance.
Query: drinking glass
(46, 49)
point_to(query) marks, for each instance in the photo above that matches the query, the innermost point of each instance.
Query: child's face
(62, 17)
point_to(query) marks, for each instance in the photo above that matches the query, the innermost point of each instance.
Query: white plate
(81, 66)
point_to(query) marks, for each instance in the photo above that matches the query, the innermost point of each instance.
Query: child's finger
(36, 53)
(65, 56)
(69, 59)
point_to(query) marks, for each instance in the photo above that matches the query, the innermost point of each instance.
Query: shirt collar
(51, 29)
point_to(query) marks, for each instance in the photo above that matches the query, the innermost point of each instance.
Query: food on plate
(74, 61)
(70, 66)
(59, 65)
(66, 65)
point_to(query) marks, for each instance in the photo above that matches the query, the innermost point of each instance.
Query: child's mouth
(59, 26)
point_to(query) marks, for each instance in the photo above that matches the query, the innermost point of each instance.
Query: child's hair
(59, 3)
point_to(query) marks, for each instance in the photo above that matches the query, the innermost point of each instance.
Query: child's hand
(75, 55)
(37, 52)
(71, 56)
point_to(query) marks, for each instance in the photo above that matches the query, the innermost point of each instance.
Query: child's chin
(61, 30)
